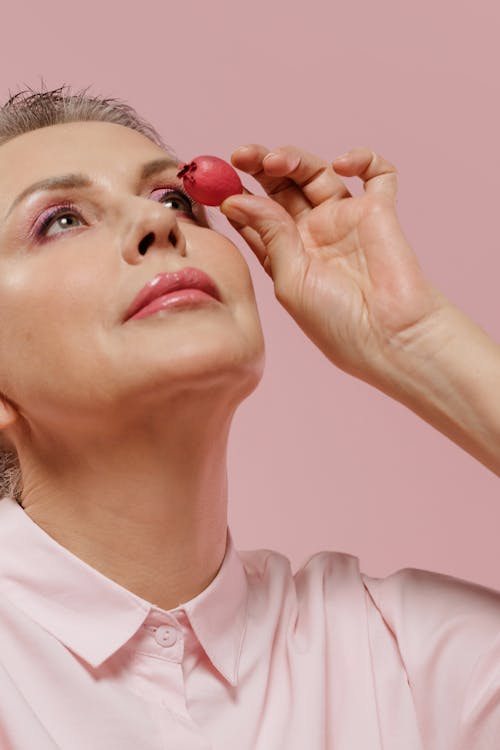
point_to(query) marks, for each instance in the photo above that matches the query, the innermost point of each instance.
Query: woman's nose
(156, 228)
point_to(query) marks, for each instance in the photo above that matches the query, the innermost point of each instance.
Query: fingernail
(343, 157)
(291, 162)
(241, 149)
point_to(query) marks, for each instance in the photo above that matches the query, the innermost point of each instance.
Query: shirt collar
(68, 597)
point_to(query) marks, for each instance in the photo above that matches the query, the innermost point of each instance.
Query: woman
(127, 617)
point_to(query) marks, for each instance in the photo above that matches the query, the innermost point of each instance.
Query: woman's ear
(8, 415)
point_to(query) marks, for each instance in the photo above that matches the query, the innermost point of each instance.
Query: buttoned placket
(155, 673)
(155, 661)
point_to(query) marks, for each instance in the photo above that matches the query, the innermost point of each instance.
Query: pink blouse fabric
(327, 658)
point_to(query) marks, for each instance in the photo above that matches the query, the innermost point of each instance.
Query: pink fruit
(209, 180)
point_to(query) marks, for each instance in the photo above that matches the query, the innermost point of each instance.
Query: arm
(449, 375)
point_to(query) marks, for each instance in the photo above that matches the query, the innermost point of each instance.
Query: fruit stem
(185, 168)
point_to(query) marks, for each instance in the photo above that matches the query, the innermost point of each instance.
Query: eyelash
(67, 207)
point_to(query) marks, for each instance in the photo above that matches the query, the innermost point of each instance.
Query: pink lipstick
(186, 286)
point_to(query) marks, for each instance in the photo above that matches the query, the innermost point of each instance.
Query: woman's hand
(343, 269)
(341, 265)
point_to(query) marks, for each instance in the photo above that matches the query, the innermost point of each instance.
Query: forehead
(96, 148)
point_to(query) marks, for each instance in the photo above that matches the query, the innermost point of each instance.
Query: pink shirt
(327, 658)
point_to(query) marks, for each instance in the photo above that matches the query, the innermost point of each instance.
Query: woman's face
(66, 354)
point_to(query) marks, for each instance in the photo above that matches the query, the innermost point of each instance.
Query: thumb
(271, 233)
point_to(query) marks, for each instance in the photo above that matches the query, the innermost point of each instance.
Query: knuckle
(378, 158)
(377, 204)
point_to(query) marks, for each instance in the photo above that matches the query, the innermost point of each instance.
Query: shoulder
(416, 602)
(326, 581)
(447, 631)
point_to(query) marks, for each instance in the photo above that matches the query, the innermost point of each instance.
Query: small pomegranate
(209, 180)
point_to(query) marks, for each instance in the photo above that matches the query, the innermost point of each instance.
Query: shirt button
(166, 635)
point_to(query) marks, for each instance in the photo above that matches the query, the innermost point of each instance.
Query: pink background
(319, 460)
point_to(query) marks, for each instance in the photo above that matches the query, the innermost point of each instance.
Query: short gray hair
(29, 110)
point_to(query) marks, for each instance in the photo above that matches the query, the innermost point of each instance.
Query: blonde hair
(29, 110)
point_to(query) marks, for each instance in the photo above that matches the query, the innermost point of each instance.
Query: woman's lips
(164, 283)
(180, 298)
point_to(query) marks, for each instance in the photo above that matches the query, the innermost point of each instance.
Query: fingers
(271, 233)
(379, 176)
(254, 240)
(299, 180)
(296, 179)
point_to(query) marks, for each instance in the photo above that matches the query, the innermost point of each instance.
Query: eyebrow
(67, 181)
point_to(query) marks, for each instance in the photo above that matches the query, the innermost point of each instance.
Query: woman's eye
(178, 199)
(64, 220)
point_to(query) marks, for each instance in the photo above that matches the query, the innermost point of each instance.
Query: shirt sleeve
(447, 631)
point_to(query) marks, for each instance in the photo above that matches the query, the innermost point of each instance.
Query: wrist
(448, 373)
